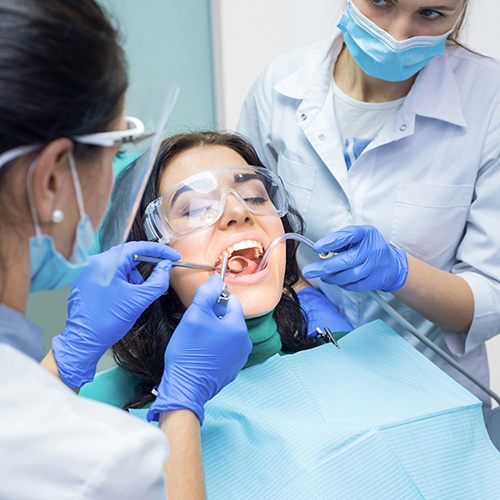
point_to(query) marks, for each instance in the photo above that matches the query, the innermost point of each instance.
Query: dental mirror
(237, 264)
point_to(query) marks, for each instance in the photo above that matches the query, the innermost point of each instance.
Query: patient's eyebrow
(240, 178)
(183, 189)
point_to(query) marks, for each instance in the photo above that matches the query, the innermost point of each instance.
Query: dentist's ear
(50, 178)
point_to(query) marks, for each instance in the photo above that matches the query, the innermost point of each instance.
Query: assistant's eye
(380, 3)
(431, 15)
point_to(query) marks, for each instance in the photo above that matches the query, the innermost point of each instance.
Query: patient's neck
(266, 340)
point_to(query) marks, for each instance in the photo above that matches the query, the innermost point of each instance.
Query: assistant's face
(238, 231)
(404, 19)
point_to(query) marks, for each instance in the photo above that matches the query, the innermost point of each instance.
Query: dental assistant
(62, 81)
(387, 136)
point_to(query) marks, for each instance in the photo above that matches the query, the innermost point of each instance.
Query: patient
(205, 201)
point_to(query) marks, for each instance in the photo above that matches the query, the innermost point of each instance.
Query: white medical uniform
(429, 180)
(56, 445)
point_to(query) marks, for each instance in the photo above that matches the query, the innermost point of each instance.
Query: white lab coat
(56, 445)
(429, 181)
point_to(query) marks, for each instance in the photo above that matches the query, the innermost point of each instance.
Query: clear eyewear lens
(199, 201)
(134, 133)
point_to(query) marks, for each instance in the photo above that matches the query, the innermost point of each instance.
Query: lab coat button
(402, 127)
(303, 117)
(321, 137)
(347, 207)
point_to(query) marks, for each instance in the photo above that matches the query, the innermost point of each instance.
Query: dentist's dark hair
(142, 350)
(62, 71)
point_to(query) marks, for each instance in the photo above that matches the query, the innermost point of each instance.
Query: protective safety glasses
(199, 201)
(133, 134)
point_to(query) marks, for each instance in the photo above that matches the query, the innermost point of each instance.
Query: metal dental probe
(221, 304)
(189, 265)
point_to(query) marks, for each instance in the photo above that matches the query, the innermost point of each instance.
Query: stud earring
(57, 216)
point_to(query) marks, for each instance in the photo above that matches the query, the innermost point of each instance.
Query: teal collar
(266, 340)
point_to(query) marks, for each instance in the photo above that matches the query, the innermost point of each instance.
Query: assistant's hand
(204, 354)
(99, 316)
(365, 261)
(321, 312)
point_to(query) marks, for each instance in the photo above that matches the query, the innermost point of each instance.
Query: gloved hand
(99, 316)
(321, 312)
(204, 354)
(365, 261)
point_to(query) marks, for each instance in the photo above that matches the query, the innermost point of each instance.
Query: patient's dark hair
(142, 350)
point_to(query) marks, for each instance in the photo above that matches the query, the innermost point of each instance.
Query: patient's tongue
(252, 266)
(242, 258)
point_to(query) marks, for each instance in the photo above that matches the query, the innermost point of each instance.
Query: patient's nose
(235, 212)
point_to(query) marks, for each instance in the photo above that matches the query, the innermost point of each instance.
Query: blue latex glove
(99, 316)
(365, 261)
(321, 312)
(204, 354)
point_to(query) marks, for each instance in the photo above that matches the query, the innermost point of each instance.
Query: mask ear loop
(76, 184)
(31, 199)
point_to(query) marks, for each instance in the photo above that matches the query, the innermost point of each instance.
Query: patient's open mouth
(244, 257)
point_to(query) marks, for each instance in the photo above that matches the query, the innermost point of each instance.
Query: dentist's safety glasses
(133, 134)
(140, 148)
(199, 201)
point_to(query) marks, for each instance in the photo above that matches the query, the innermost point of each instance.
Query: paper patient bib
(373, 419)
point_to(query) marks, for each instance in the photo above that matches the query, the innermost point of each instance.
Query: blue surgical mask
(380, 55)
(49, 269)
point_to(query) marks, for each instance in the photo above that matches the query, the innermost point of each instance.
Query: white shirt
(359, 122)
(56, 445)
(429, 181)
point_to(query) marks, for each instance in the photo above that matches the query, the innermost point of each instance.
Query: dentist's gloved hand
(204, 354)
(321, 312)
(365, 261)
(99, 316)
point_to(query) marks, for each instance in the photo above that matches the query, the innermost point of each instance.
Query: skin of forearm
(49, 363)
(443, 298)
(184, 467)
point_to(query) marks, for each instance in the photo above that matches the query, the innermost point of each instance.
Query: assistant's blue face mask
(49, 269)
(381, 56)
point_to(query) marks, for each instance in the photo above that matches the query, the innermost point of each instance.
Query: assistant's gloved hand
(99, 316)
(204, 354)
(365, 261)
(321, 312)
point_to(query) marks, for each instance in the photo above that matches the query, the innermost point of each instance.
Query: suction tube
(277, 241)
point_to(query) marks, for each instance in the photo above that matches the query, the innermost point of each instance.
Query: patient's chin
(258, 304)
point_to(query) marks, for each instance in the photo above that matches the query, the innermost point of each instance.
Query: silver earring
(57, 216)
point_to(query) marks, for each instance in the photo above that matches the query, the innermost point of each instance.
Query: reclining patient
(372, 419)
(208, 196)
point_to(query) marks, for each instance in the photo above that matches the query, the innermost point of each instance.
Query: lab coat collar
(423, 99)
(315, 71)
(19, 333)
(426, 100)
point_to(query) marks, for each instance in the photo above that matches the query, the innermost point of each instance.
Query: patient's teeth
(257, 247)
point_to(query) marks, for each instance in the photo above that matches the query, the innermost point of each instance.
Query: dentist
(390, 131)
(62, 85)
